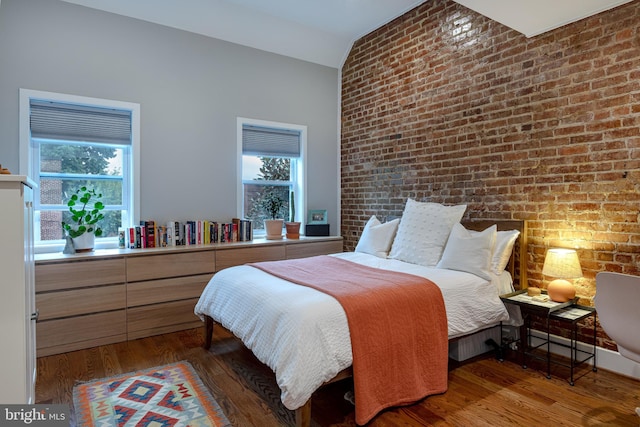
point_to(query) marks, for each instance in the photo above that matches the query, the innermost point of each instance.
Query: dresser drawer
(79, 274)
(307, 249)
(230, 257)
(52, 305)
(57, 336)
(161, 318)
(163, 290)
(171, 265)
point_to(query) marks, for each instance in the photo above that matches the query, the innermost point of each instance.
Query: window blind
(270, 142)
(72, 122)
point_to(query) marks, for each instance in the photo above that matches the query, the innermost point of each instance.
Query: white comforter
(302, 334)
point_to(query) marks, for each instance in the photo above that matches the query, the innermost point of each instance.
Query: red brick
(545, 128)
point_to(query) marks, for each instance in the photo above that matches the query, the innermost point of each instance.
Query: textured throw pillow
(376, 237)
(502, 252)
(470, 252)
(423, 232)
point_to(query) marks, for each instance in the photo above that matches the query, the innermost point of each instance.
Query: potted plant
(86, 208)
(272, 203)
(293, 227)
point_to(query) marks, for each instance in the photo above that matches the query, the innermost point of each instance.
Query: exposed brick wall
(446, 105)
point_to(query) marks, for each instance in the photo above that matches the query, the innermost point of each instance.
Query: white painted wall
(190, 88)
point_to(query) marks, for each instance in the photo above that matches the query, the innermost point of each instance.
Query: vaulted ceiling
(323, 31)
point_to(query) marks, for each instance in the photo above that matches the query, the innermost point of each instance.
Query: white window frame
(300, 169)
(28, 158)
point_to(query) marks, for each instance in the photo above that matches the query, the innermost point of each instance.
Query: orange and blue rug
(171, 395)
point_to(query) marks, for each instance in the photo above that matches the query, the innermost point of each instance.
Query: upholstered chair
(617, 302)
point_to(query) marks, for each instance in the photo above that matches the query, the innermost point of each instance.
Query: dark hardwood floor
(482, 392)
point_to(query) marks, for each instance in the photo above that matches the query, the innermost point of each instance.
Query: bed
(303, 334)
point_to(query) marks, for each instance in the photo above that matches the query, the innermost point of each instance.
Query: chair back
(617, 302)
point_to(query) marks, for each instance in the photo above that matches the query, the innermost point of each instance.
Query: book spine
(187, 233)
(215, 236)
(179, 233)
(191, 235)
(228, 232)
(150, 227)
(132, 238)
(206, 237)
(236, 229)
(171, 233)
(246, 230)
(143, 234)
(138, 238)
(161, 232)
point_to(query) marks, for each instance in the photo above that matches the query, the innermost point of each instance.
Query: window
(73, 141)
(272, 162)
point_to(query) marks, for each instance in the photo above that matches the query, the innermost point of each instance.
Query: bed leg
(303, 415)
(208, 332)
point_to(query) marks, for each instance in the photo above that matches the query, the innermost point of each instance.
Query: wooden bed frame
(517, 267)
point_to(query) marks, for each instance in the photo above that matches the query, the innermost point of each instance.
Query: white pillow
(423, 232)
(503, 249)
(376, 237)
(470, 252)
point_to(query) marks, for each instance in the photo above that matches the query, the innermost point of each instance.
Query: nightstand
(568, 313)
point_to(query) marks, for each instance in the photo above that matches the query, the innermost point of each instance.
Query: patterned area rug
(171, 395)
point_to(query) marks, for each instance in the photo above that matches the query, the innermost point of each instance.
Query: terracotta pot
(293, 230)
(273, 227)
(84, 243)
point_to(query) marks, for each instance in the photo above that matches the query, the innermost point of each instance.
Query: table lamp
(561, 264)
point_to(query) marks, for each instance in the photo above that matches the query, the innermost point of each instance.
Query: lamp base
(561, 290)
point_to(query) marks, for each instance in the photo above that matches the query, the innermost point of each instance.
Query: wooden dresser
(109, 296)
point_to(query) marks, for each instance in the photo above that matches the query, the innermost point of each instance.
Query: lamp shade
(561, 264)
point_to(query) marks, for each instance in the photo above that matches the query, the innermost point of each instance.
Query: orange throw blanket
(398, 328)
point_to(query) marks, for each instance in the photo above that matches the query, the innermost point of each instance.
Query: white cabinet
(17, 291)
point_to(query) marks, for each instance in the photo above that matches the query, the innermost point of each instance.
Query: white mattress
(302, 334)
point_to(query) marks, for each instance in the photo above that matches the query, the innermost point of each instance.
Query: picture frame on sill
(317, 216)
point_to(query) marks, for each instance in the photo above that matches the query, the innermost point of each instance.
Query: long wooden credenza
(108, 296)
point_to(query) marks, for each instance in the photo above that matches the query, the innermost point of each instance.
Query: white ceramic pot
(273, 228)
(84, 243)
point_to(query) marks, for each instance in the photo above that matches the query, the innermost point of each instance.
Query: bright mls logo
(34, 415)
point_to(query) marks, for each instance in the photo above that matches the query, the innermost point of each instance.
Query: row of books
(199, 232)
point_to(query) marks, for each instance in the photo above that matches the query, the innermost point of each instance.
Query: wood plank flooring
(483, 392)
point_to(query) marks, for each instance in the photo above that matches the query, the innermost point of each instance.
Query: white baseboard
(605, 359)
